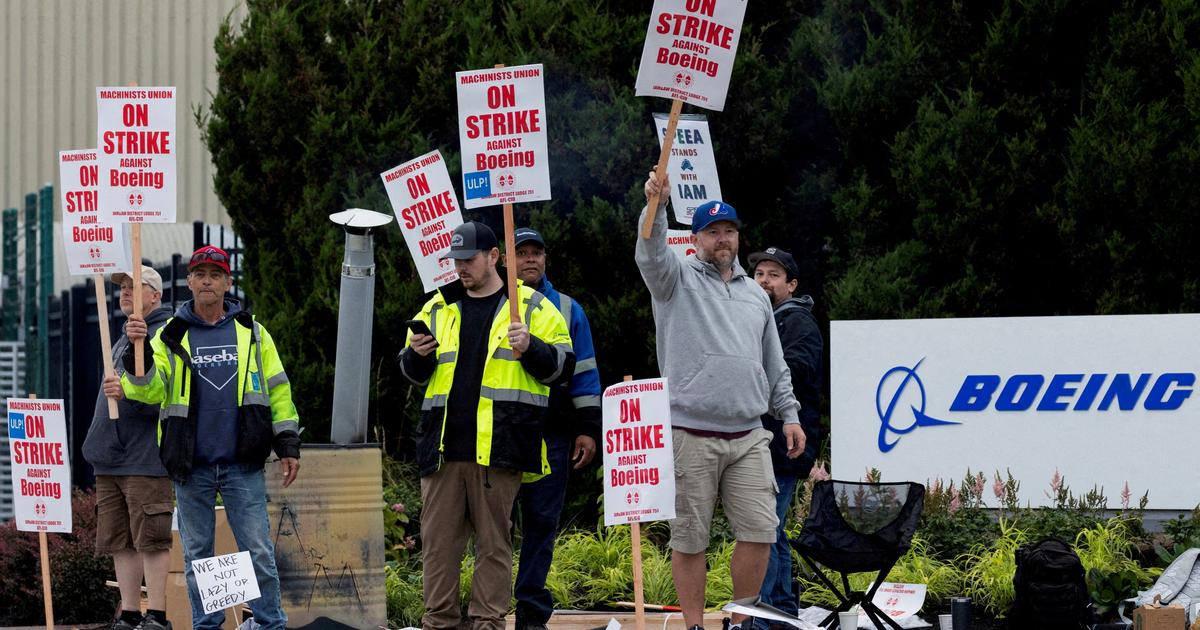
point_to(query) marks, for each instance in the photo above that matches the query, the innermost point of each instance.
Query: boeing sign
(925, 399)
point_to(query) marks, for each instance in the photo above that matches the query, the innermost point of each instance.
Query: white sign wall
(1103, 400)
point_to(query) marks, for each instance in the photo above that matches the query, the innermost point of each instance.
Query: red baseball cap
(211, 256)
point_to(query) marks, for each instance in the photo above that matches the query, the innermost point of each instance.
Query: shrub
(77, 577)
(989, 570)
(402, 502)
(405, 598)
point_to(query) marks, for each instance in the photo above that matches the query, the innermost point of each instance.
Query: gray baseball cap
(469, 239)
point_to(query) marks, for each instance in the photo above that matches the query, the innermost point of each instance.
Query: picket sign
(688, 55)
(639, 468)
(44, 551)
(79, 210)
(149, 195)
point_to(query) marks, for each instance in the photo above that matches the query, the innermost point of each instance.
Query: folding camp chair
(859, 527)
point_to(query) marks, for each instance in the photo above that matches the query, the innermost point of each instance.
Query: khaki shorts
(740, 471)
(133, 513)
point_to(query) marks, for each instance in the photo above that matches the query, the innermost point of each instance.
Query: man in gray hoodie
(719, 350)
(134, 497)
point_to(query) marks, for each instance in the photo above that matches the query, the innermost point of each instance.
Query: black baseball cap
(776, 255)
(469, 239)
(527, 235)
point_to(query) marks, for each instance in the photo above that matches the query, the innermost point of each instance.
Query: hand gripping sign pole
(688, 56)
(661, 167)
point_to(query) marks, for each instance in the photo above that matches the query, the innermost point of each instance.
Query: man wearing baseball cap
(134, 498)
(776, 271)
(718, 346)
(226, 404)
(487, 386)
(572, 431)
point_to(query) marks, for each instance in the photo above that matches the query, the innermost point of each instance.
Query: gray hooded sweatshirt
(717, 342)
(129, 445)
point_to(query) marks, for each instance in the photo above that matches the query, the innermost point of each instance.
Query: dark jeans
(777, 588)
(540, 503)
(243, 490)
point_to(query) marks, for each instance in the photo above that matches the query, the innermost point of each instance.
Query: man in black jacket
(776, 272)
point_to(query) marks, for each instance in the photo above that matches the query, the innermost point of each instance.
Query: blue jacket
(579, 399)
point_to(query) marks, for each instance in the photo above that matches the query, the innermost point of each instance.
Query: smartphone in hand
(419, 327)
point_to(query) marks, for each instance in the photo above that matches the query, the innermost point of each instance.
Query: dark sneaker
(532, 626)
(150, 623)
(120, 624)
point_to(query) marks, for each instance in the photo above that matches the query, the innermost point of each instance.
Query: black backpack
(1050, 591)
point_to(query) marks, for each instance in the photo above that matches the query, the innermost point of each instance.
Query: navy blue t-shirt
(214, 385)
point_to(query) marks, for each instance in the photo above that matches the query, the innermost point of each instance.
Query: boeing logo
(887, 412)
(1078, 392)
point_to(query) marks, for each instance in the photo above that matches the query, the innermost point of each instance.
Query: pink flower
(955, 500)
(980, 480)
(1125, 496)
(998, 487)
(398, 508)
(410, 543)
(819, 473)
(1056, 483)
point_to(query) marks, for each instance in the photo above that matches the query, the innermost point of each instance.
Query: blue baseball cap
(711, 212)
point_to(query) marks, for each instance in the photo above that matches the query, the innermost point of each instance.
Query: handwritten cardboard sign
(225, 581)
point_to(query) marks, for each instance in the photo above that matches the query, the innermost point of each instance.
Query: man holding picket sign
(481, 423)
(134, 498)
(226, 403)
(717, 397)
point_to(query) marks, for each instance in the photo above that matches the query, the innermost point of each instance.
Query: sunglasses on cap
(209, 256)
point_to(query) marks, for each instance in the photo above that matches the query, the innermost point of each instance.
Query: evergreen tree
(315, 99)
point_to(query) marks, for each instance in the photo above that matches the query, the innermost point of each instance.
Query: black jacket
(802, 346)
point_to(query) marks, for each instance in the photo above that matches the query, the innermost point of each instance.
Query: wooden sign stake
(105, 337)
(635, 535)
(139, 360)
(510, 262)
(47, 596)
(663, 157)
